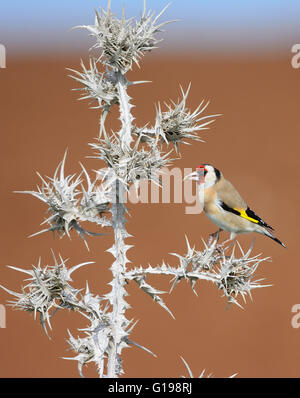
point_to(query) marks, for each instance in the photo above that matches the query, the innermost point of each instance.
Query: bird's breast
(209, 199)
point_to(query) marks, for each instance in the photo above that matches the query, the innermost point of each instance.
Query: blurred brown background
(255, 143)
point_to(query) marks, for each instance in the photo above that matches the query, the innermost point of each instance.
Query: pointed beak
(192, 176)
(196, 176)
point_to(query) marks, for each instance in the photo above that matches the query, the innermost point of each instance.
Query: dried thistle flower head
(129, 165)
(236, 274)
(48, 290)
(196, 260)
(178, 123)
(98, 86)
(124, 41)
(62, 195)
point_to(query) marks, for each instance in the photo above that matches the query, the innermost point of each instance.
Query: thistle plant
(126, 157)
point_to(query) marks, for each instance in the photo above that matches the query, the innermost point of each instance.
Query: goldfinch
(224, 206)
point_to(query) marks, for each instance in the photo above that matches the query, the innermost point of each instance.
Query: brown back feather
(227, 193)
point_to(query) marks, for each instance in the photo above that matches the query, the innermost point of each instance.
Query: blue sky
(208, 25)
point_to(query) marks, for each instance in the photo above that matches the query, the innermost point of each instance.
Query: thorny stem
(118, 292)
(119, 249)
(125, 111)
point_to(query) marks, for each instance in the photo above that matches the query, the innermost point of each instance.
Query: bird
(225, 207)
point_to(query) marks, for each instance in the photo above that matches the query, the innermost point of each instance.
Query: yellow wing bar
(243, 213)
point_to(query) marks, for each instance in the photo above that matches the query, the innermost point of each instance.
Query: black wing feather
(250, 213)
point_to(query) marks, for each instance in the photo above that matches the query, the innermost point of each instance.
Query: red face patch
(202, 172)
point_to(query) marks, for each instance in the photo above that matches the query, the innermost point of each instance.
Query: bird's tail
(267, 233)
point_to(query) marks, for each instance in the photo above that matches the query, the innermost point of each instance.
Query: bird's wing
(227, 193)
(230, 200)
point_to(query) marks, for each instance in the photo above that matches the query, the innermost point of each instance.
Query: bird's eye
(202, 169)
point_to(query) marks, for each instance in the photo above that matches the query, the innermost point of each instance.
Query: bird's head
(208, 174)
(205, 174)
